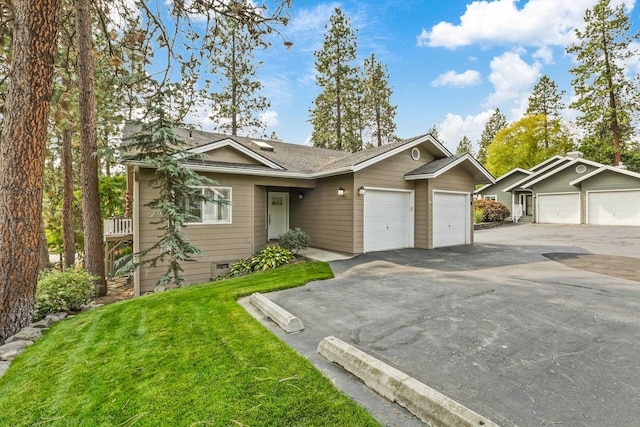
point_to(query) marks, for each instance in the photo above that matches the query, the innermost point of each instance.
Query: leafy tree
(379, 113)
(496, 122)
(522, 144)
(334, 112)
(237, 104)
(177, 185)
(23, 143)
(606, 96)
(465, 146)
(546, 100)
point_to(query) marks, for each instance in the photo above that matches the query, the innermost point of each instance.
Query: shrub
(477, 215)
(271, 257)
(65, 290)
(492, 211)
(240, 268)
(294, 240)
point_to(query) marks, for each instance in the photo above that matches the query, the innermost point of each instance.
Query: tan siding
(388, 173)
(422, 230)
(229, 155)
(326, 217)
(456, 179)
(222, 243)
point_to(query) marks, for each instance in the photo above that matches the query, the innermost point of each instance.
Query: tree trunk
(22, 155)
(93, 250)
(68, 238)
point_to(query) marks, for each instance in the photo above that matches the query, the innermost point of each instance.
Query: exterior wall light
(361, 191)
(300, 196)
(340, 191)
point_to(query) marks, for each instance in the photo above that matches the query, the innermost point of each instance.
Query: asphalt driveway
(508, 327)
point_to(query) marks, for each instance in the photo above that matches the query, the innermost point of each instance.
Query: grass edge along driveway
(187, 357)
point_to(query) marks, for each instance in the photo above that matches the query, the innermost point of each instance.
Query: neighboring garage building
(412, 193)
(574, 190)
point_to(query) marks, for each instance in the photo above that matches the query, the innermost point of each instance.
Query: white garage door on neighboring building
(451, 219)
(613, 207)
(562, 208)
(388, 220)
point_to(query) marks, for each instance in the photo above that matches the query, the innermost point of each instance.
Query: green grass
(188, 357)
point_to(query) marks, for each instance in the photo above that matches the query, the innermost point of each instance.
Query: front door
(526, 200)
(277, 214)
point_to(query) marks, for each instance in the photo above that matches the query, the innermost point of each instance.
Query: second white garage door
(614, 207)
(388, 220)
(451, 219)
(559, 208)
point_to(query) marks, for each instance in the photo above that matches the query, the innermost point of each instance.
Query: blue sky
(451, 63)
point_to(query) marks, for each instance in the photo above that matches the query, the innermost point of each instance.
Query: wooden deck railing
(117, 227)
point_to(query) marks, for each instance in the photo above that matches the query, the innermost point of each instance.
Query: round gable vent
(581, 168)
(415, 153)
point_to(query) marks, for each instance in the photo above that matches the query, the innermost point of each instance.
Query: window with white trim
(218, 212)
(490, 197)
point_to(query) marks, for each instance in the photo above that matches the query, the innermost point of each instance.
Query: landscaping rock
(43, 324)
(91, 306)
(4, 367)
(10, 351)
(26, 334)
(56, 317)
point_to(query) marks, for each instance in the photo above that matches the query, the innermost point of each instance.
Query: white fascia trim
(602, 169)
(549, 160)
(250, 172)
(534, 174)
(397, 150)
(561, 168)
(450, 166)
(231, 143)
(512, 171)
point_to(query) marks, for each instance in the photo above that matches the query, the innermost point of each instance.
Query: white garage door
(614, 207)
(559, 208)
(388, 220)
(451, 219)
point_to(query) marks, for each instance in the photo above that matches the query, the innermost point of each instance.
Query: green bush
(294, 240)
(240, 268)
(271, 257)
(477, 215)
(65, 290)
(492, 211)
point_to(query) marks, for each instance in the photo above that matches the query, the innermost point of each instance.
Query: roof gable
(560, 168)
(505, 176)
(605, 168)
(218, 145)
(546, 163)
(438, 167)
(539, 172)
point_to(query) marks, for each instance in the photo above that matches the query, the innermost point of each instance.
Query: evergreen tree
(546, 100)
(496, 122)
(378, 111)
(178, 188)
(606, 96)
(237, 105)
(334, 112)
(464, 146)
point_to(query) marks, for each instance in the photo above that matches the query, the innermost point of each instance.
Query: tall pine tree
(496, 122)
(238, 102)
(606, 96)
(546, 100)
(335, 109)
(379, 113)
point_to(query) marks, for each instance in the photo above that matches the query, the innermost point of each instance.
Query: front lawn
(187, 357)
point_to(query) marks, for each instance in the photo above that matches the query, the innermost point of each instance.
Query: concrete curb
(285, 320)
(424, 402)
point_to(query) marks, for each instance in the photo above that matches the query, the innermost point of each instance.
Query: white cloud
(451, 78)
(512, 80)
(544, 54)
(537, 23)
(454, 127)
(312, 20)
(269, 118)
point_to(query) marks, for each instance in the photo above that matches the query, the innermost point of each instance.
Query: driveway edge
(424, 402)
